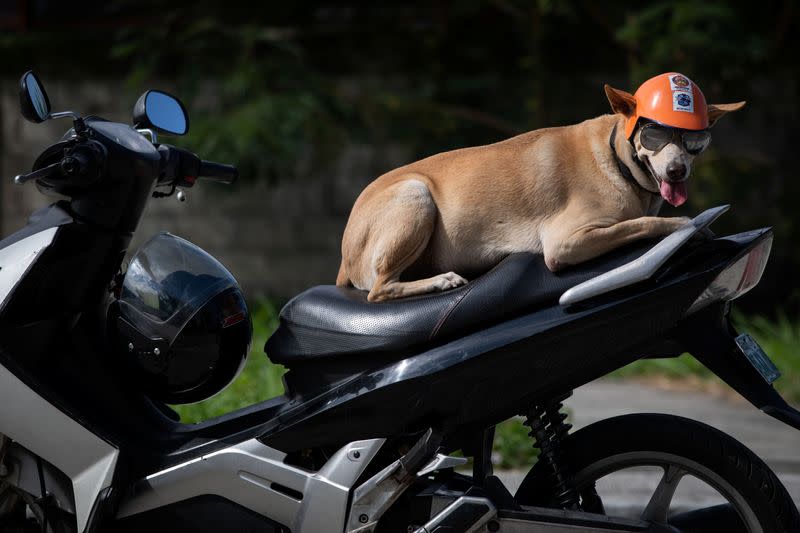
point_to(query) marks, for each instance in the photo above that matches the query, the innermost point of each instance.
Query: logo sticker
(679, 82)
(682, 101)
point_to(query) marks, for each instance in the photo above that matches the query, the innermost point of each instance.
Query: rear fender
(709, 337)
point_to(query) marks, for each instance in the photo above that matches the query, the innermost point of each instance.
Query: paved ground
(773, 441)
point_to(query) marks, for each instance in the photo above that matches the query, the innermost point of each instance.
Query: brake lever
(45, 172)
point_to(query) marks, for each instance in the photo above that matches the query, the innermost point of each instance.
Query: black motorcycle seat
(326, 320)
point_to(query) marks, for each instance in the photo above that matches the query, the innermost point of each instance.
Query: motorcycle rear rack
(644, 267)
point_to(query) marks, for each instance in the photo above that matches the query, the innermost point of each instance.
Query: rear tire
(753, 489)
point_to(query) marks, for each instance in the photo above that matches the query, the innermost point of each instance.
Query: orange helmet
(671, 99)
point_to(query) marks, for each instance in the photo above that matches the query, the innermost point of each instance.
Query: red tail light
(736, 279)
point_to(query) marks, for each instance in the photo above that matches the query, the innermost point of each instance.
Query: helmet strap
(623, 168)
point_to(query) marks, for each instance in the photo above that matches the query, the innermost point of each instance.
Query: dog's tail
(343, 279)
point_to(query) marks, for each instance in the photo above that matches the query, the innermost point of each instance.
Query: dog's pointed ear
(716, 111)
(621, 102)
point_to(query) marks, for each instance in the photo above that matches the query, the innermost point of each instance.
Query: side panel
(17, 258)
(254, 476)
(30, 420)
(34, 423)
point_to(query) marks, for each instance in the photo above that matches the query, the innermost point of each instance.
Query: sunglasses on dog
(655, 136)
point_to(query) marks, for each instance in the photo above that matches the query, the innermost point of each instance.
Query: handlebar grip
(217, 172)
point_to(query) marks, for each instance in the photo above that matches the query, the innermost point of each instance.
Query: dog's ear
(715, 111)
(621, 102)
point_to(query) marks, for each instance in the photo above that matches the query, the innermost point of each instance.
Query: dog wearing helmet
(571, 193)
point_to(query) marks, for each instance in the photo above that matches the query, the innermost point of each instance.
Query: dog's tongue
(674, 193)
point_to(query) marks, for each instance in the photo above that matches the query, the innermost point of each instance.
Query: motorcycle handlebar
(218, 172)
(182, 168)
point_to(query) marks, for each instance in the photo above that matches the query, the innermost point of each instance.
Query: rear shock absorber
(548, 429)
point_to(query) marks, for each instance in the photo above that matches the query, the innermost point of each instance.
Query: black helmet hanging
(182, 324)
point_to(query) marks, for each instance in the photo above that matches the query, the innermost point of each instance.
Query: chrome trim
(151, 132)
(645, 266)
(441, 518)
(373, 498)
(245, 474)
(40, 427)
(441, 462)
(64, 114)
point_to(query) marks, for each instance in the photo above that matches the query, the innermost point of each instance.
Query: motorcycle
(379, 399)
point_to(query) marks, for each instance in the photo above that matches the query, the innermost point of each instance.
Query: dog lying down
(571, 193)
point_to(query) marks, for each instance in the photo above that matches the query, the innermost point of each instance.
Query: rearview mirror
(33, 101)
(162, 112)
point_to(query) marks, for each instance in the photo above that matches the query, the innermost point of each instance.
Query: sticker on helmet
(682, 101)
(679, 82)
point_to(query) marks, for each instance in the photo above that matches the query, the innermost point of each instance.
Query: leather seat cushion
(326, 320)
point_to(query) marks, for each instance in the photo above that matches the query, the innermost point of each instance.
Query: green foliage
(703, 38)
(513, 447)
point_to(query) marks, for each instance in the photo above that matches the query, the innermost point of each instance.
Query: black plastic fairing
(116, 202)
(52, 216)
(203, 514)
(710, 338)
(69, 276)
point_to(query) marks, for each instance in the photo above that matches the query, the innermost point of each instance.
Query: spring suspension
(548, 429)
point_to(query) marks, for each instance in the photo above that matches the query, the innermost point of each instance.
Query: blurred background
(313, 100)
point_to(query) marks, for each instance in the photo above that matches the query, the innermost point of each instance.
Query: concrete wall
(277, 240)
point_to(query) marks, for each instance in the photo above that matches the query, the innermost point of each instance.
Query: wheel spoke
(658, 506)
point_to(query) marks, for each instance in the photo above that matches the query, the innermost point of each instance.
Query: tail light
(737, 278)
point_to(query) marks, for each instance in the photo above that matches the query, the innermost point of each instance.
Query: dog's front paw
(681, 221)
(673, 224)
(449, 280)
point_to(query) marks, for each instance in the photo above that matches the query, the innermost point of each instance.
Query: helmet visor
(168, 280)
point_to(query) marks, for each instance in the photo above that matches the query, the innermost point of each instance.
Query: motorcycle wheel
(757, 502)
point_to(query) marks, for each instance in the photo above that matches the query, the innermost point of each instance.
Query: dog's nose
(676, 171)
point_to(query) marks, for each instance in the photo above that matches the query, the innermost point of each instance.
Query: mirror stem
(65, 114)
(77, 120)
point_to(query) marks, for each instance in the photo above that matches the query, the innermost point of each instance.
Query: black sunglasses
(656, 136)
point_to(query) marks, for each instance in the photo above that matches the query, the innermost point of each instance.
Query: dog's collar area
(623, 168)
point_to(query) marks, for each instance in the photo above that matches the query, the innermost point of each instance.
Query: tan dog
(563, 192)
